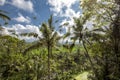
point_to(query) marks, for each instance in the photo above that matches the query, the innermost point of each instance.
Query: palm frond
(4, 17)
(85, 18)
(45, 30)
(29, 34)
(65, 24)
(66, 35)
(99, 30)
(35, 46)
(53, 36)
(50, 23)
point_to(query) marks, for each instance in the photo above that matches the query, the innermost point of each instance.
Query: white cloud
(27, 39)
(2, 2)
(4, 31)
(63, 9)
(25, 29)
(19, 29)
(21, 18)
(26, 5)
(70, 13)
(58, 5)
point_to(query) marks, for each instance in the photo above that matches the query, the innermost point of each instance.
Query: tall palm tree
(49, 39)
(81, 34)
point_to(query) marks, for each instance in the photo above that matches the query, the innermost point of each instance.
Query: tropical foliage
(93, 52)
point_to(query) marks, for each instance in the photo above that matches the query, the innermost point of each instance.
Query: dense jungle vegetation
(92, 53)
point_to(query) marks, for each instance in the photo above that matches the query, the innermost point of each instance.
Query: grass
(82, 76)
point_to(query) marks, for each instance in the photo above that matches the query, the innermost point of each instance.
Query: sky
(28, 15)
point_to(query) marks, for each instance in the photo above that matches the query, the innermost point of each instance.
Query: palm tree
(81, 34)
(49, 39)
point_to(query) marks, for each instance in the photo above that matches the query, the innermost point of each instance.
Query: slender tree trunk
(48, 61)
(106, 71)
(116, 37)
(37, 71)
(91, 63)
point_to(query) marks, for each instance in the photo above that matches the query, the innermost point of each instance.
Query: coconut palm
(81, 34)
(49, 39)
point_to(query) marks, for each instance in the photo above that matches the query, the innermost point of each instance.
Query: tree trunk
(116, 37)
(91, 63)
(48, 61)
(106, 71)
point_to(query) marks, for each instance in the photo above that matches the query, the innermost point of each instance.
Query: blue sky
(41, 9)
(23, 12)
